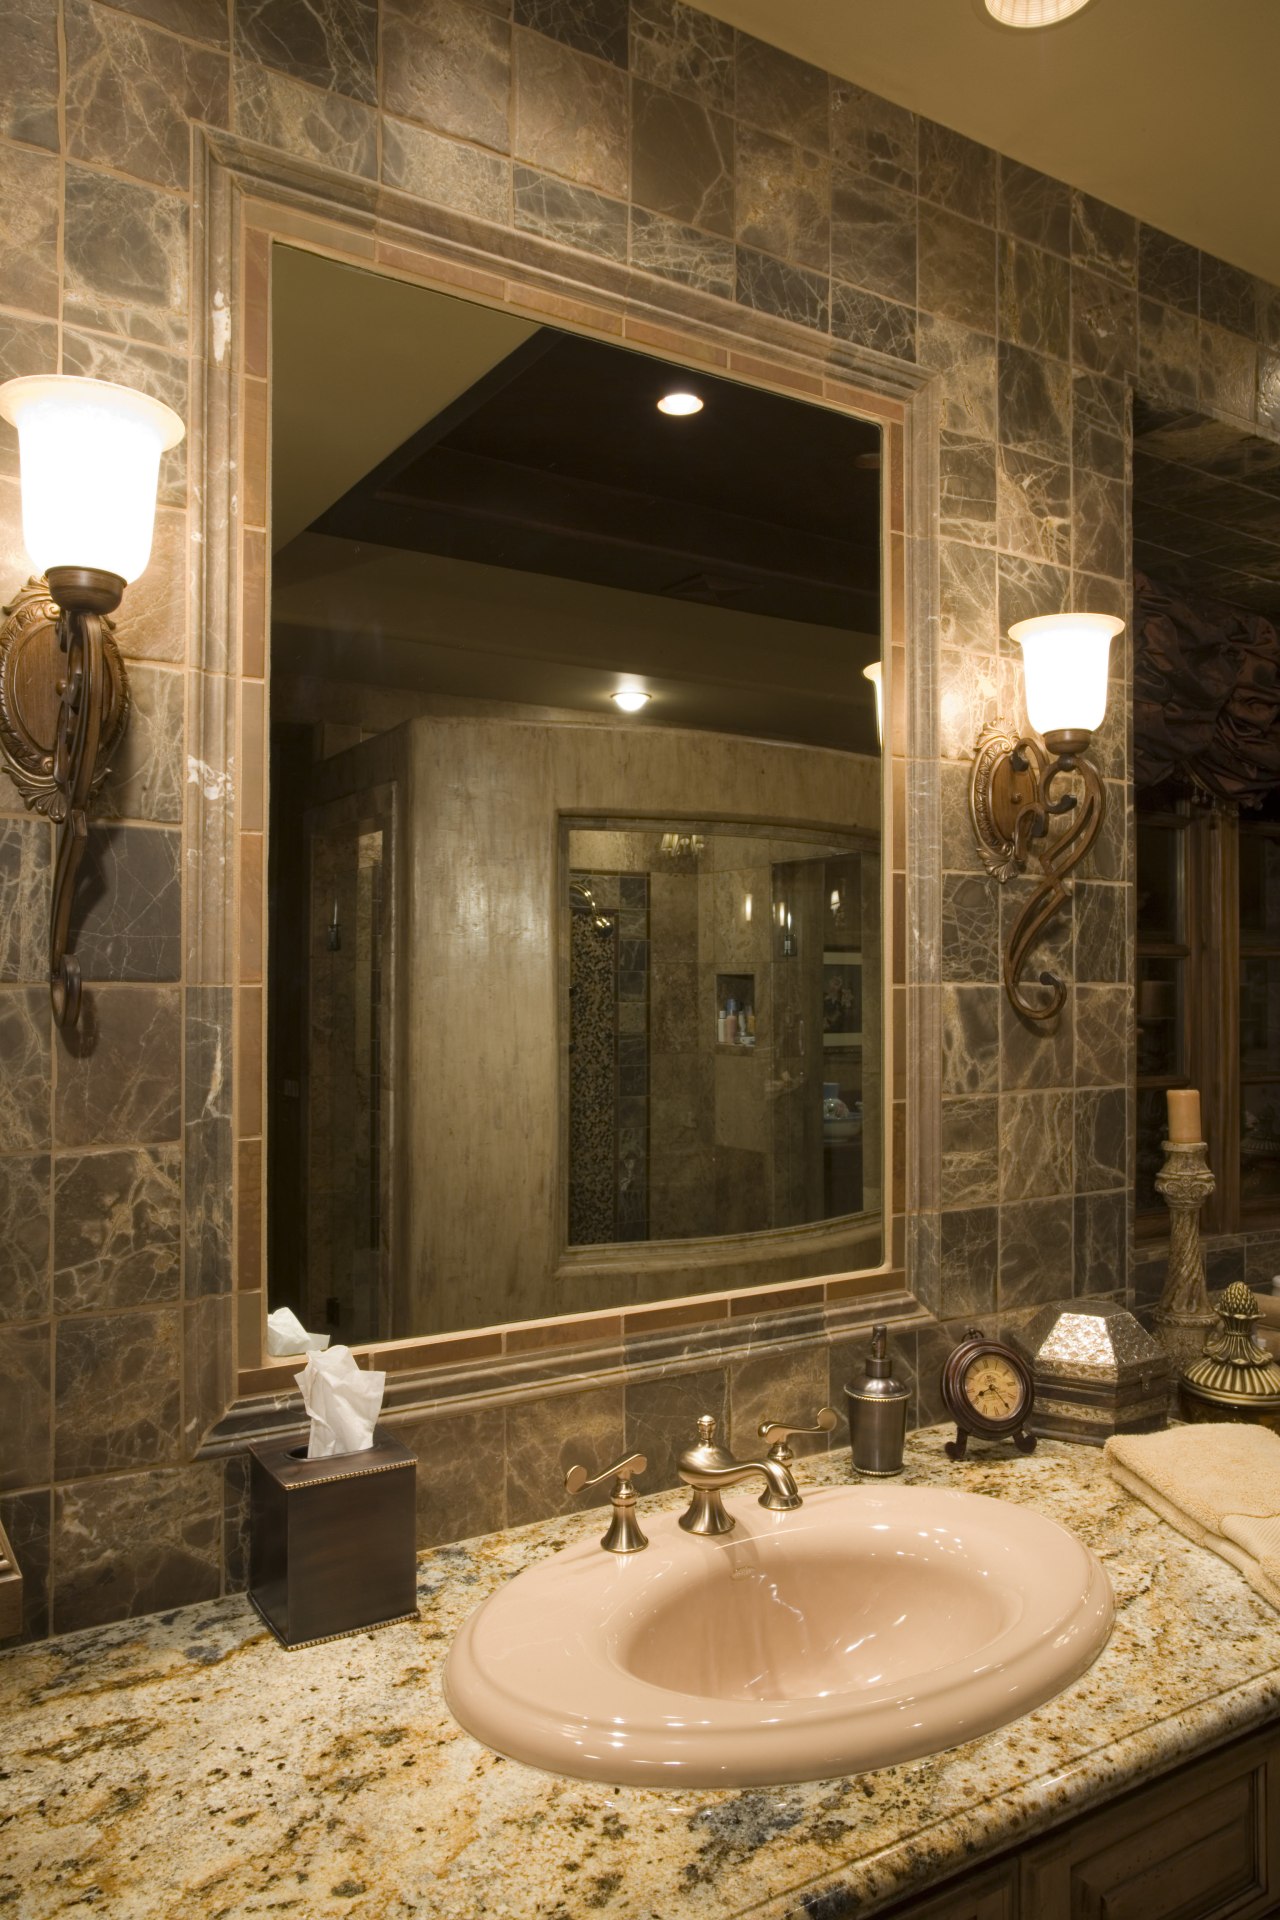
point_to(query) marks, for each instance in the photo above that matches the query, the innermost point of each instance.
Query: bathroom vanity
(186, 1764)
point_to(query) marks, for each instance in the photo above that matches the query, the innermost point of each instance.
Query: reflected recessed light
(631, 699)
(1033, 13)
(680, 403)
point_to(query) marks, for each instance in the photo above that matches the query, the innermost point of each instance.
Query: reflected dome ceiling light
(1033, 13)
(631, 699)
(679, 403)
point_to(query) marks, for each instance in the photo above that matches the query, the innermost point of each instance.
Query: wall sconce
(875, 674)
(1065, 658)
(89, 453)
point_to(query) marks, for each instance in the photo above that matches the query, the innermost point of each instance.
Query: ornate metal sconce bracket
(1011, 803)
(64, 706)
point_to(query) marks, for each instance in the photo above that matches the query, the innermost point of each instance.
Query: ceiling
(1166, 108)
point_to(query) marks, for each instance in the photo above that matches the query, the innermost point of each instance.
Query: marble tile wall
(645, 134)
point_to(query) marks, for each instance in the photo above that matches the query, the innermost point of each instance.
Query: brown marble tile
(26, 1519)
(235, 1524)
(1036, 1138)
(193, 19)
(546, 1437)
(448, 173)
(1101, 1144)
(967, 598)
(148, 768)
(125, 253)
(789, 292)
(662, 1419)
(1104, 324)
(132, 93)
(1034, 207)
(969, 1259)
(27, 345)
(331, 44)
(970, 925)
(1035, 298)
(1268, 399)
(206, 1379)
(1168, 352)
(461, 1474)
(29, 62)
(1034, 506)
(970, 1165)
(872, 321)
(778, 1383)
(872, 135)
(1168, 269)
(1104, 239)
(116, 1401)
(1101, 1242)
(24, 1235)
(1035, 1253)
(597, 27)
(680, 253)
(1227, 296)
(970, 1039)
(116, 1229)
(1034, 403)
(153, 622)
(782, 95)
(25, 1361)
(1028, 587)
(783, 198)
(1037, 1053)
(136, 1543)
(967, 484)
(965, 363)
(873, 237)
(968, 697)
(957, 269)
(29, 230)
(571, 115)
(332, 128)
(577, 217)
(448, 64)
(1099, 525)
(207, 1141)
(26, 1026)
(129, 905)
(1100, 424)
(26, 851)
(682, 160)
(959, 851)
(679, 47)
(118, 1074)
(1100, 913)
(1228, 372)
(957, 172)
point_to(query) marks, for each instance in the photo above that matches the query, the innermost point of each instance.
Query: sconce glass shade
(90, 462)
(874, 673)
(1065, 657)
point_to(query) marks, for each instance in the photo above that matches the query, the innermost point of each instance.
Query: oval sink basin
(875, 1625)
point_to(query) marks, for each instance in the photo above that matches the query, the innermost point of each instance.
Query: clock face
(993, 1389)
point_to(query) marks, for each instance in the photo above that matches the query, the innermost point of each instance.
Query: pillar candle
(1184, 1114)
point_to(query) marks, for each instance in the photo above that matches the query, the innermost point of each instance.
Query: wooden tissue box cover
(331, 1542)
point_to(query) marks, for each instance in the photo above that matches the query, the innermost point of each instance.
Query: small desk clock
(989, 1391)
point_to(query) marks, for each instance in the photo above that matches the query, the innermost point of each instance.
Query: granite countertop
(185, 1764)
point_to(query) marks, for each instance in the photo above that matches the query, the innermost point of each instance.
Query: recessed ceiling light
(679, 403)
(1033, 13)
(631, 699)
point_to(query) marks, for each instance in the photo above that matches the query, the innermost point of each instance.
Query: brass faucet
(708, 1469)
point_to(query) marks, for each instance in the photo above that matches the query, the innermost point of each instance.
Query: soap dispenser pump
(878, 1413)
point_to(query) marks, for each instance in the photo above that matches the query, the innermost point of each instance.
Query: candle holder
(1184, 1316)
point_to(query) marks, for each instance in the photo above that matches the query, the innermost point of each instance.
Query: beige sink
(874, 1625)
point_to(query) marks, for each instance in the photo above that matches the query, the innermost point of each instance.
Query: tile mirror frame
(246, 199)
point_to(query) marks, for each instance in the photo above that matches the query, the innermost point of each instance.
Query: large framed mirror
(576, 957)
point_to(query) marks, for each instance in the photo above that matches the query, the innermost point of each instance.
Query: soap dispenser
(878, 1413)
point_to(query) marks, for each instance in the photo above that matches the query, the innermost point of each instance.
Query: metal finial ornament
(1184, 1317)
(1235, 1377)
(64, 706)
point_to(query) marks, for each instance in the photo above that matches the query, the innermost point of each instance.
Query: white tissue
(343, 1401)
(286, 1334)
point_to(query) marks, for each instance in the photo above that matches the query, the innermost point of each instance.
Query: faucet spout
(708, 1469)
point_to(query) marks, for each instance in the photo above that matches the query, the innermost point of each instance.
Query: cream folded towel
(1218, 1483)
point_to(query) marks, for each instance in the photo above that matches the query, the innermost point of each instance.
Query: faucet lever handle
(778, 1434)
(623, 1534)
(576, 1478)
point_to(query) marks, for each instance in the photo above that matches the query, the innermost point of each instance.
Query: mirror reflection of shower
(719, 1067)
